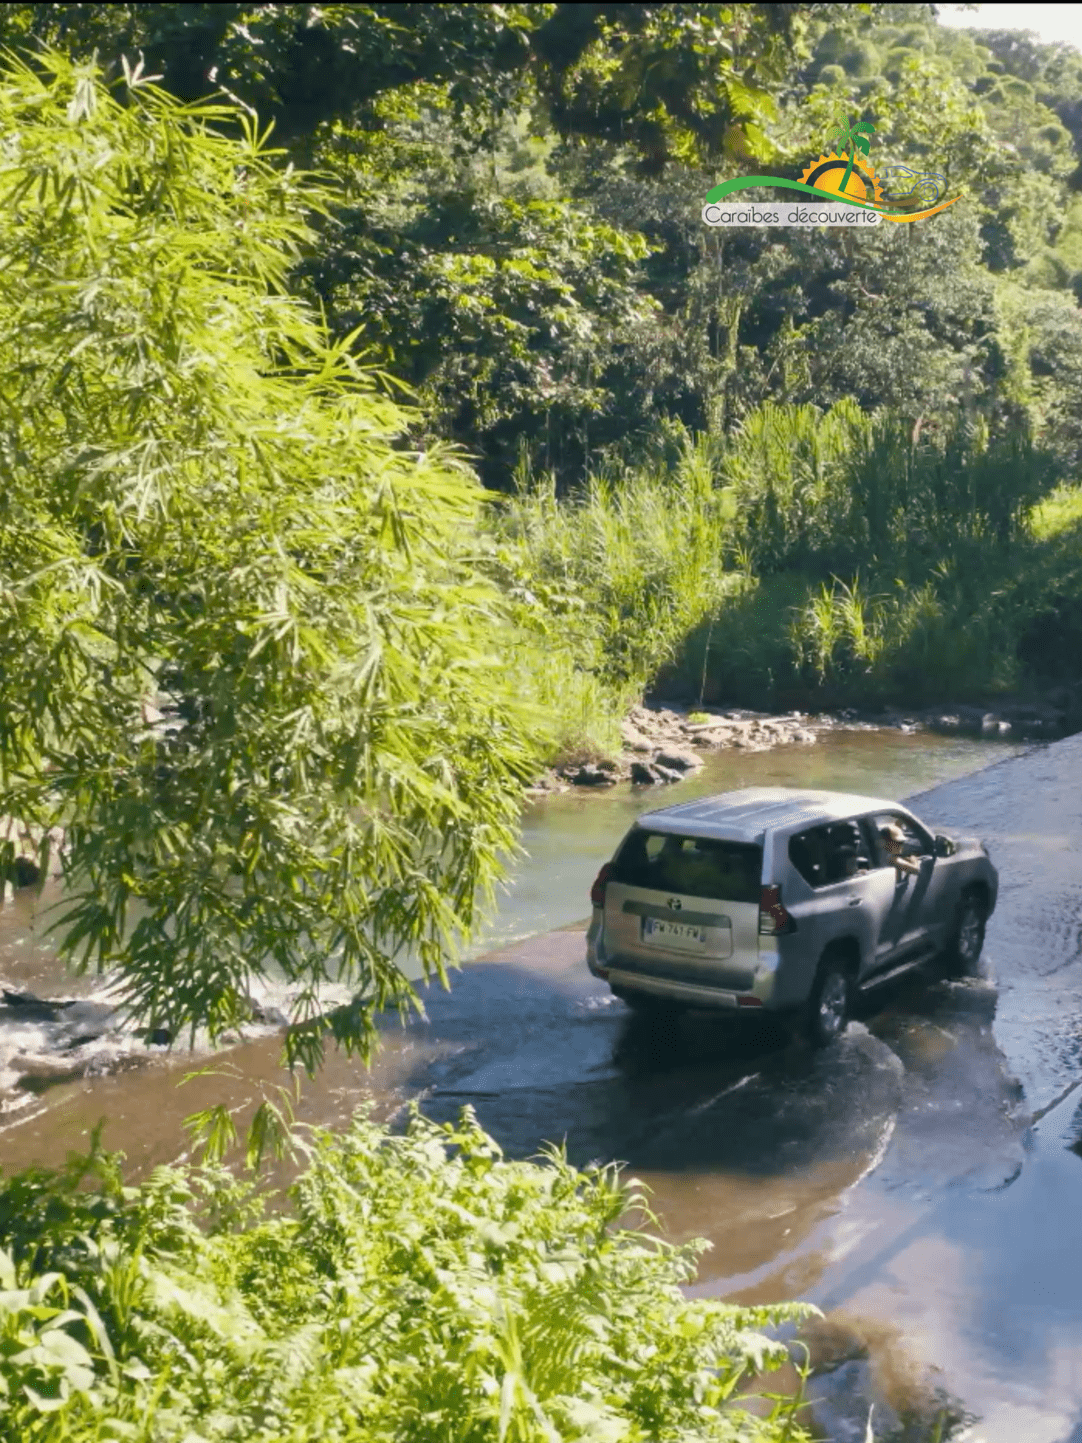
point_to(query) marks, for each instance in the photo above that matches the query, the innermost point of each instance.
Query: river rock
(30, 1007)
(591, 775)
(647, 774)
(269, 1016)
(635, 740)
(41, 1068)
(678, 760)
(711, 736)
(991, 725)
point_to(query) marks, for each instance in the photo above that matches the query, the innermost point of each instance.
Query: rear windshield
(693, 866)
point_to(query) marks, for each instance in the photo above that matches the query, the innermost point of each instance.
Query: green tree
(206, 503)
(666, 80)
(505, 305)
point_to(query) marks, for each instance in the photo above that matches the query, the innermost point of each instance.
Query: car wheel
(967, 940)
(828, 1006)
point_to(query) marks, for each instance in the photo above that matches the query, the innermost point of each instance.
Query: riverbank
(665, 743)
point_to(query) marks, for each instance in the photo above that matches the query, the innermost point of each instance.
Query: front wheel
(963, 951)
(828, 1006)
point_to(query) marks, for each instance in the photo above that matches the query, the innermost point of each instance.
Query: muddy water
(921, 1181)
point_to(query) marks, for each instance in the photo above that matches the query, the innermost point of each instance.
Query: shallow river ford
(920, 1181)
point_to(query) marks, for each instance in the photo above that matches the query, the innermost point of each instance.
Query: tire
(963, 951)
(828, 1005)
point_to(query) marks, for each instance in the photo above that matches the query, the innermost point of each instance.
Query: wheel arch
(843, 949)
(979, 889)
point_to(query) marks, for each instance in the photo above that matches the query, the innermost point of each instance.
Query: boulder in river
(678, 759)
(30, 1007)
(591, 775)
(645, 775)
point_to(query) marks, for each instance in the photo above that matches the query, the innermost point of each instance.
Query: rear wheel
(828, 1006)
(963, 951)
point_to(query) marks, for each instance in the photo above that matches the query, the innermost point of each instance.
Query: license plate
(663, 933)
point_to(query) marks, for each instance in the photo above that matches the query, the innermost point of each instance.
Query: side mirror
(944, 847)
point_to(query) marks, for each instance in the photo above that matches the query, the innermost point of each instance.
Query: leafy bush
(414, 1286)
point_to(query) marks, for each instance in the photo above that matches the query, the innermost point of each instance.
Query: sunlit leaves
(204, 506)
(416, 1286)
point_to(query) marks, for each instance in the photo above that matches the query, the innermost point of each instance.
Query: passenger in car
(893, 839)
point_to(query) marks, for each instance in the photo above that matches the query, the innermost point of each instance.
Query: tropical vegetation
(351, 470)
(415, 1285)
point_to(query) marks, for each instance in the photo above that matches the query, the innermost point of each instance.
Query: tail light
(774, 920)
(601, 881)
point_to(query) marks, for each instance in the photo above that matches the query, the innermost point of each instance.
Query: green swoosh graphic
(743, 182)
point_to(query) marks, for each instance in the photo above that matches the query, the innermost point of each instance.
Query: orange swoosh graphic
(918, 214)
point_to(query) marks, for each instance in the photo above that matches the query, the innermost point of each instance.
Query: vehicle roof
(747, 814)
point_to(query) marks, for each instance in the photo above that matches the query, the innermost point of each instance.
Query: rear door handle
(854, 901)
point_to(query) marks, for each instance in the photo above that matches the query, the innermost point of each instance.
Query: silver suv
(776, 900)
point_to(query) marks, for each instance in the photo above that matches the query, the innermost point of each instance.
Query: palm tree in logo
(853, 137)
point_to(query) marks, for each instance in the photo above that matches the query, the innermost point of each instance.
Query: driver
(893, 839)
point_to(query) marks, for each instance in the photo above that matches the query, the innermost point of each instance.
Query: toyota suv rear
(777, 900)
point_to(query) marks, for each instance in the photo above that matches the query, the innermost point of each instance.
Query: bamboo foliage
(204, 501)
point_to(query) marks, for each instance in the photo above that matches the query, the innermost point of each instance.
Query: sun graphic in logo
(828, 172)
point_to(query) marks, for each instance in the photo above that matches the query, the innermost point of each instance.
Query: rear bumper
(690, 994)
(761, 986)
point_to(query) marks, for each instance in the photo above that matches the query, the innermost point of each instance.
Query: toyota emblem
(675, 903)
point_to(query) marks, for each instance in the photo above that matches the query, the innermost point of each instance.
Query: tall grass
(831, 493)
(891, 565)
(811, 559)
(609, 582)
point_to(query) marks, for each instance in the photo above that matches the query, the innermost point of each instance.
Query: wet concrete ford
(920, 1180)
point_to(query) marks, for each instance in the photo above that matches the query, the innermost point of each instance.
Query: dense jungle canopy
(378, 422)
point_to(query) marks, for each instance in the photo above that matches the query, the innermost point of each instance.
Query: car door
(910, 925)
(940, 899)
(853, 896)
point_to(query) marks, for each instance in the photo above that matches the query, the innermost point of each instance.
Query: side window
(806, 855)
(847, 855)
(915, 841)
(832, 853)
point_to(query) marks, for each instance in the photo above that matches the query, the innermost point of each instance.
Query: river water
(920, 1181)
